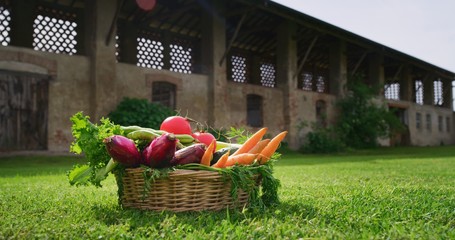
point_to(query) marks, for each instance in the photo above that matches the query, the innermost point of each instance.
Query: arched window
(164, 93)
(254, 110)
(321, 113)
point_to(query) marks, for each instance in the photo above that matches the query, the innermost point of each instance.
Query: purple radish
(123, 150)
(190, 154)
(160, 151)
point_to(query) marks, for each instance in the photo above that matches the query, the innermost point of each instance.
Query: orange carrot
(251, 142)
(241, 159)
(260, 146)
(222, 161)
(273, 145)
(208, 154)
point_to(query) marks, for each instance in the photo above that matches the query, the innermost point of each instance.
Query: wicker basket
(183, 190)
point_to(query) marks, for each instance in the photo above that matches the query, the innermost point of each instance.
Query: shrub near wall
(140, 112)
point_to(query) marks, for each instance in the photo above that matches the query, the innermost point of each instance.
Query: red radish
(160, 151)
(123, 150)
(205, 138)
(176, 125)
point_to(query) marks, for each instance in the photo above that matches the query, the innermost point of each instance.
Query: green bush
(322, 140)
(362, 122)
(133, 111)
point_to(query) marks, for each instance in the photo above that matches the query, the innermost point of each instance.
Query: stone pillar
(406, 85)
(376, 72)
(103, 95)
(214, 42)
(447, 93)
(428, 89)
(23, 14)
(128, 42)
(338, 68)
(287, 78)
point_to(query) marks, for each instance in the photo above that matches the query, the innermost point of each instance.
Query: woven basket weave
(182, 190)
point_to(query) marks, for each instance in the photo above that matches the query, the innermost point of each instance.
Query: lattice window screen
(392, 91)
(419, 92)
(307, 81)
(5, 28)
(320, 84)
(54, 34)
(180, 58)
(150, 53)
(239, 69)
(268, 75)
(438, 90)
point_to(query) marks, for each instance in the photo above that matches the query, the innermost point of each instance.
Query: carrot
(222, 161)
(261, 145)
(208, 154)
(251, 141)
(241, 159)
(273, 145)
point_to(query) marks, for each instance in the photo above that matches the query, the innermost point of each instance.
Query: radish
(123, 150)
(160, 151)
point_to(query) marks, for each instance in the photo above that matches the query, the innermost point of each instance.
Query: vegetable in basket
(160, 151)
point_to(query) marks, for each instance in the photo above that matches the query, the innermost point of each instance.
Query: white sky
(424, 29)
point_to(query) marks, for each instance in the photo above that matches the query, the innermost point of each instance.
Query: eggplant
(160, 151)
(190, 154)
(123, 150)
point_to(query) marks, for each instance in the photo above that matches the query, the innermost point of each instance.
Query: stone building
(240, 62)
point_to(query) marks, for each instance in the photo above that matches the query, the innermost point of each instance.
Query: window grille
(392, 91)
(438, 97)
(164, 93)
(440, 123)
(180, 58)
(418, 120)
(268, 75)
(418, 84)
(254, 110)
(238, 69)
(428, 121)
(150, 53)
(320, 84)
(5, 20)
(307, 81)
(55, 31)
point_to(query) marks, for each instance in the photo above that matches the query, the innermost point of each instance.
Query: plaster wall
(432, 136)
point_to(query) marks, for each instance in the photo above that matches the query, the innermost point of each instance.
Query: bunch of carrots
(255, 148)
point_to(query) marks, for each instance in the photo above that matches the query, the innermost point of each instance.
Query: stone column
(376, 71)
(447, 93)
(406, 85)
(287, 78)
(103, 95)
(22, 16)
(214, 42)
(128, 42)
(428, 89)
(338, 68)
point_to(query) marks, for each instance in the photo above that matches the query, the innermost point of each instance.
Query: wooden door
(23, 111)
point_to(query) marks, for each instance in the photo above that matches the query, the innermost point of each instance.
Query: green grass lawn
(398, 193)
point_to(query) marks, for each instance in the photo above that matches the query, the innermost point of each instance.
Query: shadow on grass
(386, 153)
(202, 219)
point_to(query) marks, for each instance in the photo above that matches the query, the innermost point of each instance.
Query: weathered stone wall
(433, 136)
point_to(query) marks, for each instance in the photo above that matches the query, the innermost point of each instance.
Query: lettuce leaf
(88, 140)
